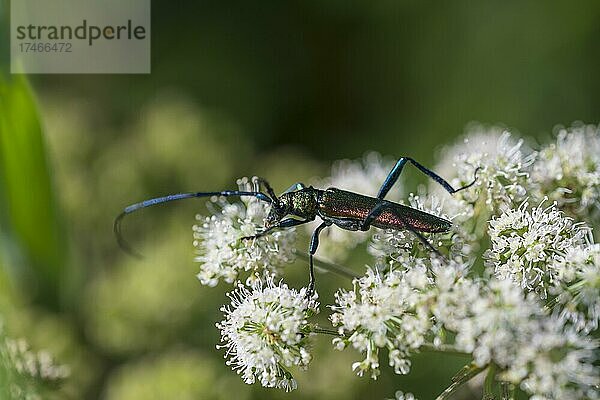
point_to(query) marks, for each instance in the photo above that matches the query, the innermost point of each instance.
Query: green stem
(508, 391)
(463, 376)
(326, 331)
(446, 349)
(488, 385)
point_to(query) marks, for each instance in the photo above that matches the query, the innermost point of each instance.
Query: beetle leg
(286, 223)
(397, 169)
(373, 214)
(314, 244)
(426, 242)
(392, 178)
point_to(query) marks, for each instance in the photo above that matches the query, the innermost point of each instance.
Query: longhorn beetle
(351, 211)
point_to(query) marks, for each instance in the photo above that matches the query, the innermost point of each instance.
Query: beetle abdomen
(341, 204)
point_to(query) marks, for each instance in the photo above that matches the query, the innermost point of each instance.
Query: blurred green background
(278, 89)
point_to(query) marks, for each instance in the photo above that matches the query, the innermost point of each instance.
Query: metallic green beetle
(348, 210)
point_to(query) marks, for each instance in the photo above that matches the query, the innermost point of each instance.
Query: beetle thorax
(301, 203)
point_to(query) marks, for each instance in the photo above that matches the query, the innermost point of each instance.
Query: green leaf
(5, 33)
(30, 225)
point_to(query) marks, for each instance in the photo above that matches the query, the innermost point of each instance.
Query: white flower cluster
(527, 243)
(383, 311)
(222, 254)
(560, 362)
(396, 311)
(404, 310)
(38, 366)
(578, 287)
(362, 176)
(532, 348)
(568, 171)
(504, 165)
(530, 319)
(266, 331)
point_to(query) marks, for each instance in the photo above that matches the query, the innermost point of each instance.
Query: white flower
(266, 331)
(568, 171)
(365, 177)
(503, 176)
(578, 288)
(400, 395)
(223, 254)
(526, 243)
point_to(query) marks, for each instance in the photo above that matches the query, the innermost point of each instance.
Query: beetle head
(275, 215)
(278, 211)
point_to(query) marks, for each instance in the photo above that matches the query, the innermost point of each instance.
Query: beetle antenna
(173, 197)
(472, 183)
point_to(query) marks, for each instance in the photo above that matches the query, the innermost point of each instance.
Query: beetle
(347, 210)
